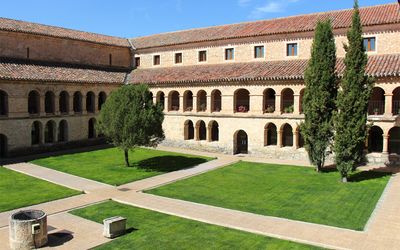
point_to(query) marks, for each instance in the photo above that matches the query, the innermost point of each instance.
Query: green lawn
(153, 230)
(19, 190)
(108, 165)
(291, 192)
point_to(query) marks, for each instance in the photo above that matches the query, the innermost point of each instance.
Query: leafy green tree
(130, 119)
(320, 95)
(352, 102)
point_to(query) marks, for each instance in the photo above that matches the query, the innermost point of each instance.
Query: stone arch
(270, 135)
(50, 132)
(213, 131)
(3, 146)
(90, 102)
(287, 135)
(173, 101)
(160, 99)
(269, 97)
(396, 101)
(49, 103)
(3, 103)
(375, 139)
(201, 101)
(36, 133)
(287, 101)
(92, 128)
(241, 101)
(188, 101)
(63, 131)
(216, 100)
(33, 102)
(63, 102)
(201, 131)
(77, 104)
(376, 104)
(394, 140)
(101, 99)
(240, 142)
(188, 130)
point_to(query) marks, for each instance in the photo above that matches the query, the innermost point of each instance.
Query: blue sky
(131, 18)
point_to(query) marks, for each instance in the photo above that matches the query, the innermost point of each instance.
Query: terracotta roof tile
(40, 29)
(378, 66)
(374, 15)
(11, 69)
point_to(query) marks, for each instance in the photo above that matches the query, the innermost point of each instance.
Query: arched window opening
(240, 142)
(49, 132)
(269, 101)
(90, 102)
(3, 103)
(92, 128)
(376, 104)
(77, 102)
(63, 131)
(188, 101)
(214, 131)
(102, 99)
(201, 131)
(173, 101)
(160, 98)
(201, 101)
(287, 105)
(49, 103)
(33, 103)
(396, 101)
(188, 130)
(216, 101)
(394, 140)
(64, 102)
(3, 146)
(270, 135)
(287, 136)
(36, 133)
(242, 101)
(375, 139)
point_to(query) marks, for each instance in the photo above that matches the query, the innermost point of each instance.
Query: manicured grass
(153, 230)
(108, 165)
(291, 192)
(19, 190)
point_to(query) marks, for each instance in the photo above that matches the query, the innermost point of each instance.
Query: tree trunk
(126, 157)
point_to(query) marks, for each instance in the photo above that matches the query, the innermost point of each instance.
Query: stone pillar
(197, 132)
(180, 103)
(256, 104)
(209, 128)
(296, 139)
(209, 110)
(296, 105)
(385, 144)
(166, 103)
(42, 111)
(227, 104)
(280, 135)
(154, 99)
(95, 103)
(70, 103)
(278, 104)
(388, 104)
(195, 108)
(84, 110)
(57, 104)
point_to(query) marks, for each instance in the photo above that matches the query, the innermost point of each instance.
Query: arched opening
(102, 99)
(269, 100)
(301, 101)
(240, 142)
(36, 133)
(77, 102)
(201, 101)
(394, 140)
(33, 102)
(49, 103)
(287, 102)
(152, 97)
(216, 101)
(91, 128)
(396, 101)
(270, 135)
(375, 139)
(3, 146)
(201, 131)
(241, 101)
(173, 100)
(160, 98)
(376, 105)
(49, 132)
(213, 128)
(287, 136)
(301, 139)
(188, 101)
(90, 102)
(188, 130)
(64, 102)
(63, 131)
(3, 103)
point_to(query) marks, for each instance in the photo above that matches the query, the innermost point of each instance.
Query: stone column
(197, 132)
(70, 103)
(388, 104)
(180, 103)
(256, 104)
(227, 104)
(280, 135)
(209, 110)
(42, 107)
(385, 144)
(296, 105)
(209, 128)
(278, 104)
(195, 108)
(57, 104)
(166, 103)
(84, 110)
(296, 139)
(154, 99)
(95, 103)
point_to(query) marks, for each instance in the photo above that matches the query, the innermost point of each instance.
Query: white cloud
(271, 6)
(243, 3)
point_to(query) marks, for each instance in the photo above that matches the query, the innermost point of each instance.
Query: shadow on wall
(169, 163)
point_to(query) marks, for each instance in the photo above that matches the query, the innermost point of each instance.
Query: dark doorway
(241, 142)
(3, 146)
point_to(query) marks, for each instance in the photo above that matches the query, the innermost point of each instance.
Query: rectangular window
(259, 52)
(229, 54)
(203, 56)
(137, 61)
(178, 58)
(369, 44)
(156, 60)
(291, 49)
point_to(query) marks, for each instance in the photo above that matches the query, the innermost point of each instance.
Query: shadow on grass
(169, 163)
(367, 175)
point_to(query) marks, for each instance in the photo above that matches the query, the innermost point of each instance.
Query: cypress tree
(320, 95)
(352, 102)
